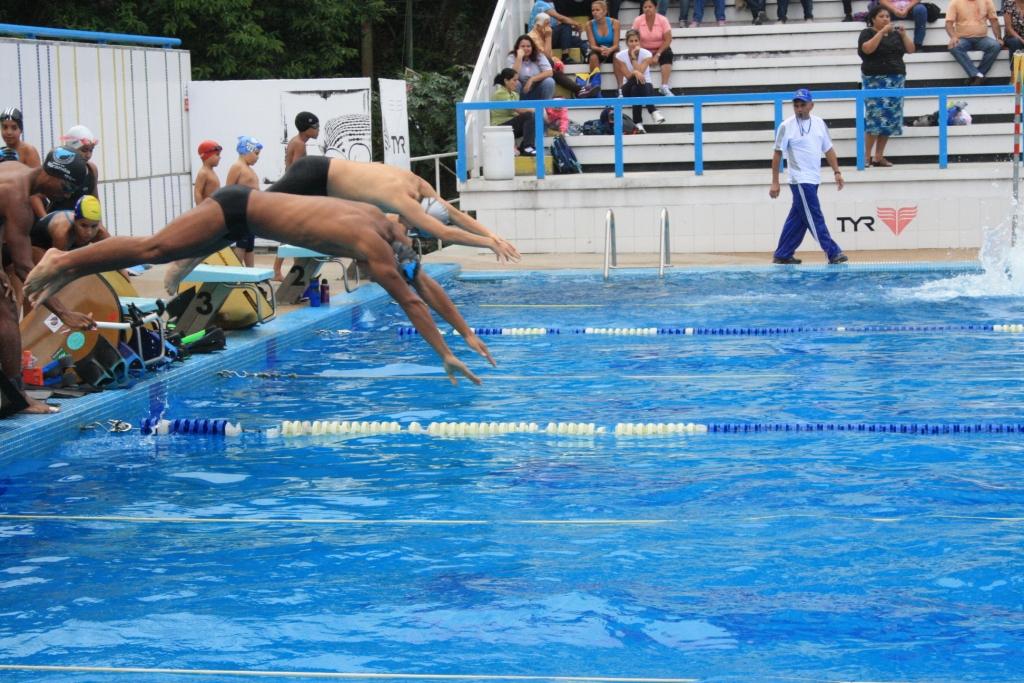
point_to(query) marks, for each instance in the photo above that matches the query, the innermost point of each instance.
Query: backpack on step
(564, 158)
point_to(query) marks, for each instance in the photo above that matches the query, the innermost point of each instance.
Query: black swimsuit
(234, 202)
(306, 176)
(40, 233)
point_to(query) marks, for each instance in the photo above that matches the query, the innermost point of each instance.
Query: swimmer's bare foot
(47, 278)
(38, 407)
(177, 271)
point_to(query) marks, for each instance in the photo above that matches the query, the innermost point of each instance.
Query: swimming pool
(757, 556)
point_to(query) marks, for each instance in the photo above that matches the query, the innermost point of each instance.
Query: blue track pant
(805, 215)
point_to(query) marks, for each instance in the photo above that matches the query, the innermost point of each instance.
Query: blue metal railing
(34, 32)
(698, 102)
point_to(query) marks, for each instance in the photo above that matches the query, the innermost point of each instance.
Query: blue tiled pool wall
(25, 434)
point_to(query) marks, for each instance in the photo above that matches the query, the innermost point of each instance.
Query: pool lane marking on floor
(329, 675)
(128, 519)
(337, 521)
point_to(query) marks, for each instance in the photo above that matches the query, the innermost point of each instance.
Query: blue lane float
(1012, 328)
(218, 427)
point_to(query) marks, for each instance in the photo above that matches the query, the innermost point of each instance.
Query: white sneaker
(640, 128)
(665, 90)
(621, 95)
(658, 118)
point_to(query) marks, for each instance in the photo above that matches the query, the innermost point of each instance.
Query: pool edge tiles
(38, 433)
(635, 271)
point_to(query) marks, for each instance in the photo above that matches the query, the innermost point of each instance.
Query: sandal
(883, 162)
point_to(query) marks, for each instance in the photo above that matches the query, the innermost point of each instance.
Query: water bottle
(314, 294)
(325, 293)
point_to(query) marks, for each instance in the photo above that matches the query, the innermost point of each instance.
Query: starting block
(305, 268)
(216, 283)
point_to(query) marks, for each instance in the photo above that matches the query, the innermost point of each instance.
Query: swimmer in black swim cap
(67, 165)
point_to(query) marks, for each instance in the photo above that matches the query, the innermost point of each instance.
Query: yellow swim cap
(88, 207)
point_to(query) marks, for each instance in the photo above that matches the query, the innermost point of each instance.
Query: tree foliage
(248, 39)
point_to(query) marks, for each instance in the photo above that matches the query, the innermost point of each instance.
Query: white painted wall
(133, 100)
(730, 211)
(223, 110)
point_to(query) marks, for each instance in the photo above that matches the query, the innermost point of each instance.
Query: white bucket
(499, 160)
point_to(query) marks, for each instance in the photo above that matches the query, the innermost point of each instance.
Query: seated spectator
(556, 119)
(881, 47)
(636, 65)
(603, 36)
(522, 120)
(908, 9)
(967, 23)
(759, 16)
(1013, 24)
(808, 6)
(698, 12)
(561, 25)
(541, 35)
(655, 36)
(533, 69)
(12, 130)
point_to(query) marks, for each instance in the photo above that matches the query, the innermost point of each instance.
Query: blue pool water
(719, 557)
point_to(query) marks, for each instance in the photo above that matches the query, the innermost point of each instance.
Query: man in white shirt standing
(803, 138)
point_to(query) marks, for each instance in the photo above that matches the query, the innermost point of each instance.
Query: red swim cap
(207, 148)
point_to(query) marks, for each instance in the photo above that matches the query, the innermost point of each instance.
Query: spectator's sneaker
(721, 22)
(640, 128)
(839, 258)
(621, 95)
(783, 20)
(694, 24)
(665, 90)
(977, 80)
(683, 23)
(657, 116)
(567, 59)
(529, 152)
(762, 17)
(789, 261)
(848, 17)
(808, 20)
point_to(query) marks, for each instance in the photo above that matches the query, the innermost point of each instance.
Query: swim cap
(77, 137)
(88, 207)
(68, 165)
(247, 143)
(436, 209)
(14, 114)
(304, 121)
(207, 148)
(8, 154)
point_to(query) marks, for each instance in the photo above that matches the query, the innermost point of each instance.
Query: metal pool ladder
(611, 257)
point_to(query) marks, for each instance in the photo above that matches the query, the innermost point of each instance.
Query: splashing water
(1003, 265)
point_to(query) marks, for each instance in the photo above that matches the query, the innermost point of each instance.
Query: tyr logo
(897, 219)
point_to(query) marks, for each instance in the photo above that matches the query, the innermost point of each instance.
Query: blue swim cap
(247, 143)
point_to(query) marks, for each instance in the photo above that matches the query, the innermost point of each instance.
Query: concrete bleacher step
(988, 140)
(824, 10)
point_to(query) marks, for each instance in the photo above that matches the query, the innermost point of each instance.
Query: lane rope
(1010, 328)
(331, 675)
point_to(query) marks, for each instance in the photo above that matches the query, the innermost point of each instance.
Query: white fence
(132, 98)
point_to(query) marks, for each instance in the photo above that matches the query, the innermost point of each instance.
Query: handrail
(33, 32)
(437, 170)
(664, 248)
(698, 101)
(611, 257)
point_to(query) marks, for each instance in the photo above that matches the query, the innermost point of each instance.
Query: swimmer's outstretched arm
(413, 214)
(438, 299)
(468, 223)
(381, 262)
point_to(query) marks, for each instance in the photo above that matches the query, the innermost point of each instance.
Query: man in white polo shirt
(803, 138)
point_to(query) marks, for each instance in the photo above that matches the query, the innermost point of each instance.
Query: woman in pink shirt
(656, 37)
